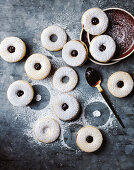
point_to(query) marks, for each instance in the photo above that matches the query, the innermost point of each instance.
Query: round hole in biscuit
(20, 93)
(74, 53)
(120, 84)
(45, 129)
(53, 38)
(89, 139)
(11, 49)
(65, 106)
(65, 79)
(95, 21)
(37, 66)
(102, 47)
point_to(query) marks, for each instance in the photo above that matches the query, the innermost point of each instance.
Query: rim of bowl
(104, 64)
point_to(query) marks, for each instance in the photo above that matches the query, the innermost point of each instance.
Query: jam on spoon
(92, 76)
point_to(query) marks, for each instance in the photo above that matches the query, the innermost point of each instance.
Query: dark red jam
(120, 84)
(37, 66)
(95, 21)
(65, 106)
(20, 93)
(102, 48)
(53, 38)
(92, 76)
(89, 139)
(11, 49)
(74, 53)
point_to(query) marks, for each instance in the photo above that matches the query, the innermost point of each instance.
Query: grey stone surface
(26, 19)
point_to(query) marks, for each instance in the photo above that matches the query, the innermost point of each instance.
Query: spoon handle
(109, 104)
(99, 88)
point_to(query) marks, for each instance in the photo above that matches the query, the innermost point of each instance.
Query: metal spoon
(94, 79)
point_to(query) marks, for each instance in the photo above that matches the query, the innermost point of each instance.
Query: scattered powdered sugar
(30, 116)
(48, 111)
(96, 113)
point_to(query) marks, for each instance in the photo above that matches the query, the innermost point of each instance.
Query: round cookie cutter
(121, 28)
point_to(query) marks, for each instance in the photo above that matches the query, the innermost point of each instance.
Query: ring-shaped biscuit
(12, 49)
(47, 38)
(37, 66)
(89, 139)
(47, 130)
(58, 79)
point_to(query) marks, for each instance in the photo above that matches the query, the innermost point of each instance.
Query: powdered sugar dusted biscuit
(37, 66)
(61, 75)
(74, 53)
(89, 139)
(47, 38)
(20, 93)
(47, 130)
(66, 107)
(95, 21)
(102, 48)
(120, 84)
(12, 49)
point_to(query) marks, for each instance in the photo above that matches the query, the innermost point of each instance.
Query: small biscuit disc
(47, 130)
(20, 93)
(75, 53)
(102, 48)
(37, 66)
(89, 139)
(66, 107)
(12, 49)
(95, 21)
(60, 74)
(120, 84)
(50, 31)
